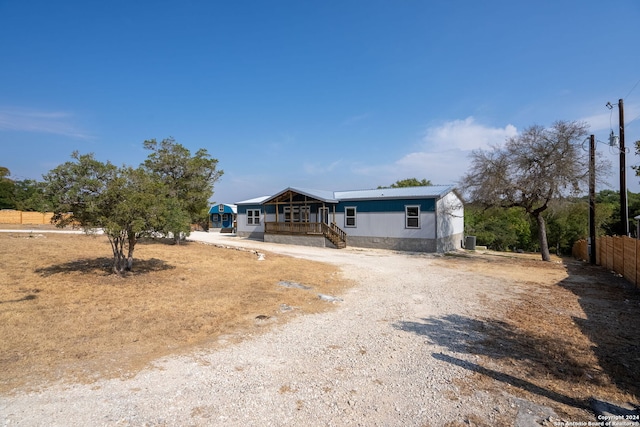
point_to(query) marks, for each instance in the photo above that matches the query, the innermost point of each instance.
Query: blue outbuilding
(223, 217)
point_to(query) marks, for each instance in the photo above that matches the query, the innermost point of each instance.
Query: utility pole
(624, 214)
(592, 199)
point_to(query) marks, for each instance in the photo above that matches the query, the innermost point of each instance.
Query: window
(300, 214)
(350, 217)
(412, 216)
(220, 208)
(253, 216)
(225, 217)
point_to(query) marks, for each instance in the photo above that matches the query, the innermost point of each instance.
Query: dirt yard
(565, 331)
(64, 316)
(473, 338)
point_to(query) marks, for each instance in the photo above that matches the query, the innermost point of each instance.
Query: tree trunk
(542, 237)
(132, 245)
(117, 245)
(177, 237)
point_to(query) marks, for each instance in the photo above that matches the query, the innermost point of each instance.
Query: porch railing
(331, 231)
(335, 234)
(293, 227)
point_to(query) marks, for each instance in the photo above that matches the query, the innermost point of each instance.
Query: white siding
(450, 216)
(243, 227)
(390, 224)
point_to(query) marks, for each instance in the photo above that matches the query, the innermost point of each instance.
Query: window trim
(407, 217)
(297, 213)
(347, 217)
(254, 217)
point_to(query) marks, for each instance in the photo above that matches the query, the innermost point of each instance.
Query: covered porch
(305, 213)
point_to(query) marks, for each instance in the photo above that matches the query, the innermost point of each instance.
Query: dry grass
(568, 336)
(63, 316)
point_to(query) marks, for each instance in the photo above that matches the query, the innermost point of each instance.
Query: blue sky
(333, 95)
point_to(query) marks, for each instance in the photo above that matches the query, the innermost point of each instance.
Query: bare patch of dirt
(64, 316)
(567, 335)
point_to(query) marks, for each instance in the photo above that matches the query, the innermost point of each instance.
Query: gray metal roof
(323, 195)
(377, 194)
(395, 193)
(256, 201)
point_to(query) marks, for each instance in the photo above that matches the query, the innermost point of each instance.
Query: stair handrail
(334, 231)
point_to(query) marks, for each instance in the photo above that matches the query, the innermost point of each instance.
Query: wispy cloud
(355, 119)
(319, 169)
(465, 135)
(28, 120)
(608, 119)
(443, 154)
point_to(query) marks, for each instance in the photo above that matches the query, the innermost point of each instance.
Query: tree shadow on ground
(165, 241)
(104, 266)
(612, 309)
(498, 340)
(591, 354)
(25, 298)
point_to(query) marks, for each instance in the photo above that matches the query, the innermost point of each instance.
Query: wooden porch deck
(331, 231)
(293, 227)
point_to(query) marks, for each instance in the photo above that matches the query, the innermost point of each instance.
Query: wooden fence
(619, 254)
(21, 217)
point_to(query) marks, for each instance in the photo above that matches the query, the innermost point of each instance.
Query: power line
(632, 89)
(633, 120)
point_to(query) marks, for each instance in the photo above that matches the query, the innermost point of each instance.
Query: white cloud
(465, 135)
(318, 169)
(443, 155)
(355, 119)
(26, 120)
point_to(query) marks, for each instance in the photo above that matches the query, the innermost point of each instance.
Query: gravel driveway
(360, 364)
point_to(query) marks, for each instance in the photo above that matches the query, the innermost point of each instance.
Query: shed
(223, 217)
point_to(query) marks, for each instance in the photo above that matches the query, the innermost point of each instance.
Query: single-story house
(223, 217)
(422, 219)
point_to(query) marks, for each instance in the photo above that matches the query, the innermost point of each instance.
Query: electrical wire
(611, 119)
(632, 89)
(633, 120)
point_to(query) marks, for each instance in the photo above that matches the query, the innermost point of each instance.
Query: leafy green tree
(633, 204)
(29, 196)
(498, 229)
(530, 171)
(611, 200)
(24, 195)
(7, 186)
(409, 182)
(163, 195)
(189, 180)
(567, 221)
(125, 203)
(637, 167)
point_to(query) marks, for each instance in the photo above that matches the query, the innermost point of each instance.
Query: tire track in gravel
(355, 365)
